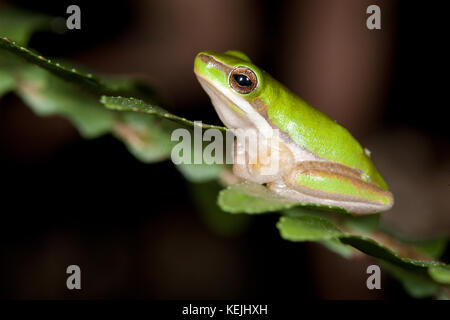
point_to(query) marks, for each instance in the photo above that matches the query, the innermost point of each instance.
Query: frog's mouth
(234, 111)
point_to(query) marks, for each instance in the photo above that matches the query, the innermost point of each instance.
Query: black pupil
(242, 80)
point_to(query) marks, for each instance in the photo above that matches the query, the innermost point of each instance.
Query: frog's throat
(228, 103)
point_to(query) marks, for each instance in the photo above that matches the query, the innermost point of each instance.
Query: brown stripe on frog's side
(216, 63)
(261, 107)
(332, 167)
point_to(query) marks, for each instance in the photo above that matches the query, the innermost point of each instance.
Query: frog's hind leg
(331, 184)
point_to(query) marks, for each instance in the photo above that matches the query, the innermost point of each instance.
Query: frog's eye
(243, 80)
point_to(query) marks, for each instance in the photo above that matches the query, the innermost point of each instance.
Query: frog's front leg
(331, 184)
(267, 160)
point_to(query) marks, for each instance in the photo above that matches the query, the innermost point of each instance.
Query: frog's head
(235, 86)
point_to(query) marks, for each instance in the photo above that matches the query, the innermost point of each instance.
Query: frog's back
(318, 133)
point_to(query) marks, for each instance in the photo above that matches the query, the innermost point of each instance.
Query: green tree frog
(321, 163)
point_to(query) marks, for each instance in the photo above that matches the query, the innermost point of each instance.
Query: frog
(320, 163)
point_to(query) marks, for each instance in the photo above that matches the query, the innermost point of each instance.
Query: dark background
(134, 229)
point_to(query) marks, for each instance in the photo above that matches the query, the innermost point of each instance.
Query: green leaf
(377, 250)
(419, 278)
(193, 172)
(249, 197)
(338, 247)
(64, 72)
(307, 228)
(199, 172)
(146, 137)
(361, 224)
(19, 25)
(440, 274)
(307, 223)
(7, 82)
(150, 143)
(87, 80)
(158, 125)
(415, 284)
(136, 105)
(48, 95)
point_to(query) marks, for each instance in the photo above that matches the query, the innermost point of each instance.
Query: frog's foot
(331, 184)
(256, 173)
(268, 164)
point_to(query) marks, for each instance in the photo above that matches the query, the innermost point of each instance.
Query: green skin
(306, 126)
